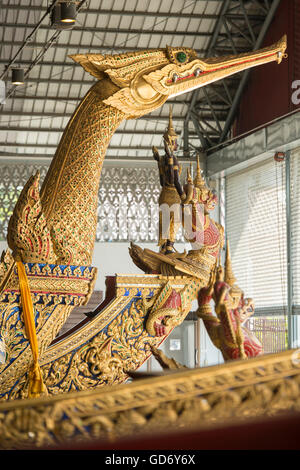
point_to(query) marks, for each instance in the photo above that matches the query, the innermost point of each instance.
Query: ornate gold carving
(87, 332)
(102, 359)
(70, 190)
(137, 101)
(126, 64)
(28, 233)
(194, 398)
(226, 329)
(171, 315)
(55, 281)
(151, 282)
(52, 308)
(135, 84)
(113, 342)
(199, 72)
(196, 263)
(7, 264)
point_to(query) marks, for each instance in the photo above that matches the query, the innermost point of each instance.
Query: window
(256, 229)
(295, 228)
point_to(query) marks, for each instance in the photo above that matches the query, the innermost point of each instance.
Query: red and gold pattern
(28, 233)
(171, 307)
(226, 329)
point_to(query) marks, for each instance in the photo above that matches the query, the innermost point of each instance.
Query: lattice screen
(128, 204)
(128, 200)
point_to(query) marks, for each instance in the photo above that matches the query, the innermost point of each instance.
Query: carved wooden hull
(183, 400)
(100, 350)
(56, 290)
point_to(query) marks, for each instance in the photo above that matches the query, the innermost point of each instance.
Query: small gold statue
(169, 197)
(188, 205)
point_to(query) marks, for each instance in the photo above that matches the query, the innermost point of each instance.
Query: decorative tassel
(36, 384)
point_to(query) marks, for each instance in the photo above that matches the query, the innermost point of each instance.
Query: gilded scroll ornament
(170, 307)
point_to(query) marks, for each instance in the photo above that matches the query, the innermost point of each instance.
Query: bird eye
(181, 57)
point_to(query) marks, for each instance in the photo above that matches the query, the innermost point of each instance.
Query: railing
(270, 331)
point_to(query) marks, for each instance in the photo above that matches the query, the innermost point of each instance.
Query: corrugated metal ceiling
(34, 116)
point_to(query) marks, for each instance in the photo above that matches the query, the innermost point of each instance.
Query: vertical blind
(295, 227)
(256, 230)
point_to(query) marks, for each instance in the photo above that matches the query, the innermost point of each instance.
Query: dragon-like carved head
(232, 297)
(146, 79)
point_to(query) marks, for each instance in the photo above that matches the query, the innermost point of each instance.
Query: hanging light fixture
(63, 15)
(55, 15)
(68, 12)
(17, 76)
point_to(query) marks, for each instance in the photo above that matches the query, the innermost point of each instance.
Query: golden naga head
(146, 79)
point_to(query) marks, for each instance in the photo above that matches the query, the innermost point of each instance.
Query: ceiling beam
(177, 100)
(119, 13)
(59, 130)
(46, 114)
(104, 30)
(143, 14)
(52, 146)
(108, 158)
(104, 48)
(249, 32)
(58, 80)
(90, 48)
(131, 13)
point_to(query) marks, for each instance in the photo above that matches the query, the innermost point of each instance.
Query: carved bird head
(146, 79)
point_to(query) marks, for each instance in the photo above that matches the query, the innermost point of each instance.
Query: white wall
(113, 258)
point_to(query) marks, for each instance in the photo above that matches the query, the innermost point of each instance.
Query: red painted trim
(226, 66)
